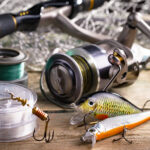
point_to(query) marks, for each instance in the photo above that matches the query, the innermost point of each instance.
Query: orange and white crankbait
(114, 125)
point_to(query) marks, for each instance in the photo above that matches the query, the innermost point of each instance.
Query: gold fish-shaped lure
(103, 105)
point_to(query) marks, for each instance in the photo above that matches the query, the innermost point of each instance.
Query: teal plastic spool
(11, 72)
(12, 64)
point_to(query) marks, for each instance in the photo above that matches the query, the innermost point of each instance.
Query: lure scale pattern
(109, 104)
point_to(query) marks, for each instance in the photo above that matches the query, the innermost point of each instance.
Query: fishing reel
(87, 69)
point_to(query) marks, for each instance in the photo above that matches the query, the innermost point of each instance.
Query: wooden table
(68, 137)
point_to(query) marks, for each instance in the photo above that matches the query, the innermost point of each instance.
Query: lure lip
(87, 137)
(75, 118)
(90, 136)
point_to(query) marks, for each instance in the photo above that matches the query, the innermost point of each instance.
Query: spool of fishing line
(12, 66)
(16, 121)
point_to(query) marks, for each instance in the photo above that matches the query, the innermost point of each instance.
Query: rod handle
(7, 24)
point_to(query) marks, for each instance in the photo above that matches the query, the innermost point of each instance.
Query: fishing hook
(123, 136)
(39, 113)
(84, 120)
(47, 139)
(143, 108)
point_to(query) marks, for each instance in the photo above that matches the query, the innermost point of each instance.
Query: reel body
(85, 70)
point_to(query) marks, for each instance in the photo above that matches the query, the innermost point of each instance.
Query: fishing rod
(53, 11)
(61, 14)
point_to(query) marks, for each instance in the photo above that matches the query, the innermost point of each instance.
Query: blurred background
(108, 20)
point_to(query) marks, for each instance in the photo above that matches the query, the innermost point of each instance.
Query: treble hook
(84, 119)
(143, 108)
(50, 138)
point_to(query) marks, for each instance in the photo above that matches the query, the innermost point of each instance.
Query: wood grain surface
(67, 137)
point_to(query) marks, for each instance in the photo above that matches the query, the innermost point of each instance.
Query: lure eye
(92, 130)
(91, 103)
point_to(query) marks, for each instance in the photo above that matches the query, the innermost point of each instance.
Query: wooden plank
(68, 137)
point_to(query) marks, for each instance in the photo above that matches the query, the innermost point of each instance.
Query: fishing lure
(40, 114)
(114, 125)
(103, 105)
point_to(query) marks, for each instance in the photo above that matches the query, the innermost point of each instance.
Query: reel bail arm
(119, 60)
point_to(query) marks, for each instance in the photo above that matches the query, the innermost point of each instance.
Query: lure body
(114, 125)
(103, 105)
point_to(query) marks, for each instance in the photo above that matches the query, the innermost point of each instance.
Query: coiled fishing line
(16, 121)
(12, 66)
(86, 72)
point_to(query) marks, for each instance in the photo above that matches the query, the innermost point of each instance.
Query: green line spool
(12, 66)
